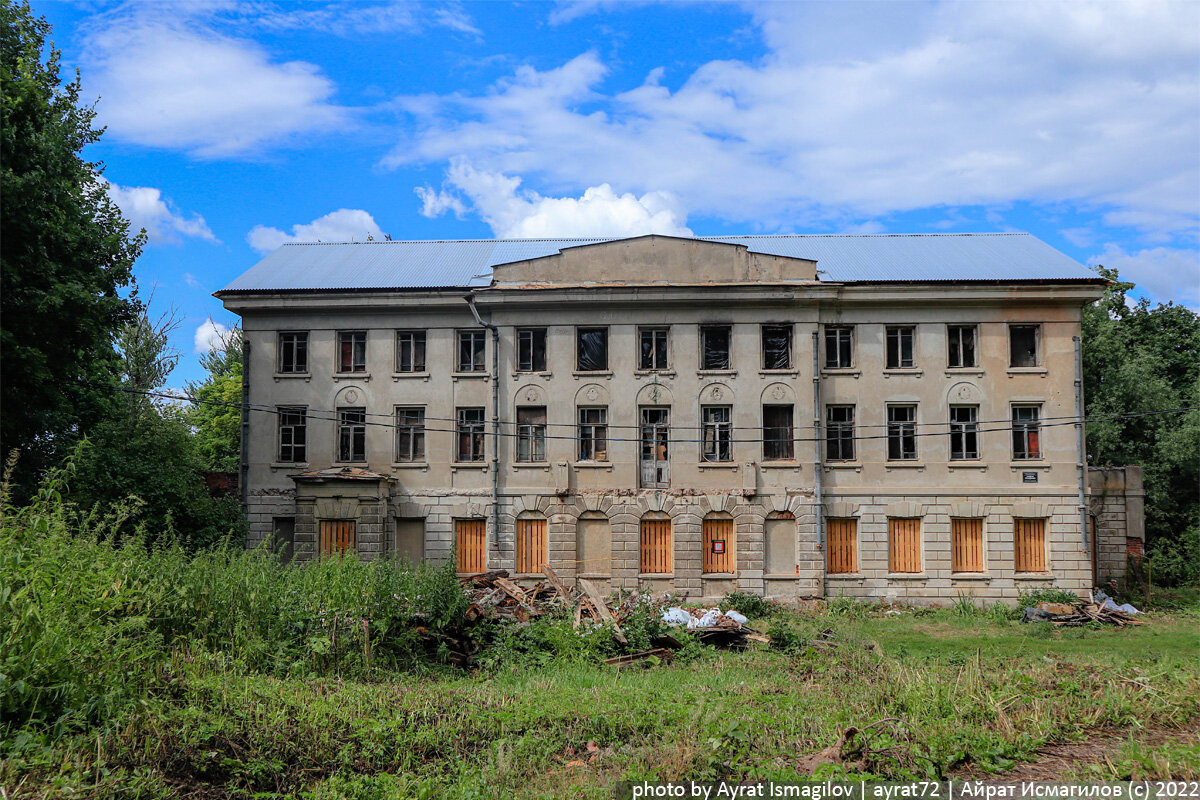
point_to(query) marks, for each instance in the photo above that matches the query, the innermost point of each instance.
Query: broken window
(293, 432)
(964, 432)
(531, 350)
(652, 352)
(839, 433)
(1023, 345)
(899, 348)
(470, 434)
(410, 351)
(962, 345)
(714, 345)
(293, 352)
(470, 351)
(777, 346)
(352, 351)
(902, 432)
(838, 347)
(592, 349)
(352, 434)
(410, 434)
(283, 541)
(718, 433)
(1025, 432)
(778, 436)
(531, 434)
(593, 434)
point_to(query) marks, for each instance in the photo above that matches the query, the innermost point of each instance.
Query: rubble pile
(1071, 615)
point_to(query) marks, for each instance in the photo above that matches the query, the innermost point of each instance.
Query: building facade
(881, 417)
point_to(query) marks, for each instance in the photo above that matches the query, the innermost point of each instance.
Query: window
(904, 545)
(778, 436)
(593, 434)
(777, 346)
(293, 434)
(1025, 430)
(593, 544)
(714, 347)
(899, 348)
(352, 434)
(470, 434)
(1023, 345)
(839, 433)
(470, 545)
(283, 539)
(842, 546)
(902, 433)
(718, 433)
(531, 546)
(966, 545)
(962, 345)
(410, 351)
(964, 432)
(655, 551)
(352, 351)
(293, 352)
(1029, 545)
(718, 545)
(839, 352)
(410, 434)
(652, 350)
(470, 351)
(591, 349)
(531, 434)
(337, 536)
(779, 544)
(531, 350)
(410, 539)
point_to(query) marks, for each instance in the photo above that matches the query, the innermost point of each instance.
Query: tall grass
(90, 613)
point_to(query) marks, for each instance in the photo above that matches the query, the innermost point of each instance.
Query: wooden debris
(661, 653)
(1065, 615)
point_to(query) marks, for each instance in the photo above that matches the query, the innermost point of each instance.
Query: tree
(1142, 359)
(66, 254)
(217, 417)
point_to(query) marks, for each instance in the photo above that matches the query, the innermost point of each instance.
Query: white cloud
(860, 112)
(145, 207)
(513, 212)
(209, 336)
(175, 83)
(343, 225)
(1161, 273)
(358, 18)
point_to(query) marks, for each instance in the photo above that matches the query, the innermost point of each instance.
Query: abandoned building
(887, 416)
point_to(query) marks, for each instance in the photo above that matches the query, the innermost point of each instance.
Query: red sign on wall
(718, 545)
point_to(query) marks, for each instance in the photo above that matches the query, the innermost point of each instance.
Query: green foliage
(217, 418)
(65, 254)
(751, 605)
(1139, 359)
(1032, 598)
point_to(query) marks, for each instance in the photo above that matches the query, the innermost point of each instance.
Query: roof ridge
(705, 237)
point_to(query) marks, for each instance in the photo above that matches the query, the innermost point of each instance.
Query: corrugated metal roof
(841, 258)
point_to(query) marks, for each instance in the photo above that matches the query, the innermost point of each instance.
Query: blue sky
(234, 126)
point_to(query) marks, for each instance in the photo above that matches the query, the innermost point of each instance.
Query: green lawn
(965, 693)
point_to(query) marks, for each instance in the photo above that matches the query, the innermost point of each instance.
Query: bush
(1036, 596)
(751, 605)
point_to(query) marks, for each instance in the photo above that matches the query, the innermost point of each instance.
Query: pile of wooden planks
(1067, 615)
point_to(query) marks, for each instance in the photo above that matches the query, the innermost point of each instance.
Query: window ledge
(980, 577)
(396, 376)
(852, 372)
(907, 576)
(903, 465)
(913, 371)
(732, 465)
(603, 373)
(718, 576)
(665, 373)
(966, 465)
(656, 576)
(289, 465)
(711, 373)
(470, 376)
(1016, 466)
(780, 464)
(854, 465)
(593, 465)
(1027, 371)
(976, 371)
(351, 376)
(779, 372)
(468, 465)
(543, 465)
(1033, 576)
(421, 465)
(284, 376)
(592, 576)
(518, 374)
(844, 576)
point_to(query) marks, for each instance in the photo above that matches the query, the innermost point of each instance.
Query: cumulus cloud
(343, 225)
(950, 104)
(518, 213)
(165, 82)
(1161, 273)
(210, 336)
(145, 207)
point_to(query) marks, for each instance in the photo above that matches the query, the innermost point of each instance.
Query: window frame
(475, 430)
(357, 340)
(705, 330)
(527, 338)
(845, 433)
(580, 330)
(718, 528)
(789, 332)
(414, 431)
(299, 352)
(592, 433)
(351, 429)
(721, 432)
(531, 435)
(901, 432)
(841, 546)
(964, 429)
(1036, 329)
(418, 339)
(842, 355)
(302, 427)
(478, 350)
(898, 334)
(1030, 528)
(955, 350)
(967, 540)
(531, 545)
(905, 563)
(779, 440)
(1021, 429)
(660, 338)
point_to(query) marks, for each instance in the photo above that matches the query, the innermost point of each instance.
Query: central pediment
(656, 259)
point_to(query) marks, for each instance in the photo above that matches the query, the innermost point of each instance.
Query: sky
(234, 126)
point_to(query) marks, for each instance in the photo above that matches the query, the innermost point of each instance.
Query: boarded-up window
(284, 540)
(655, 557)
(904, 544)
(779, 544)
(337, 536)
(718, 545)
(410, 539)
(593, 544)
(531, 545)
(1029, 545)
(966, 545)
(470, 545)
(842, 545)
